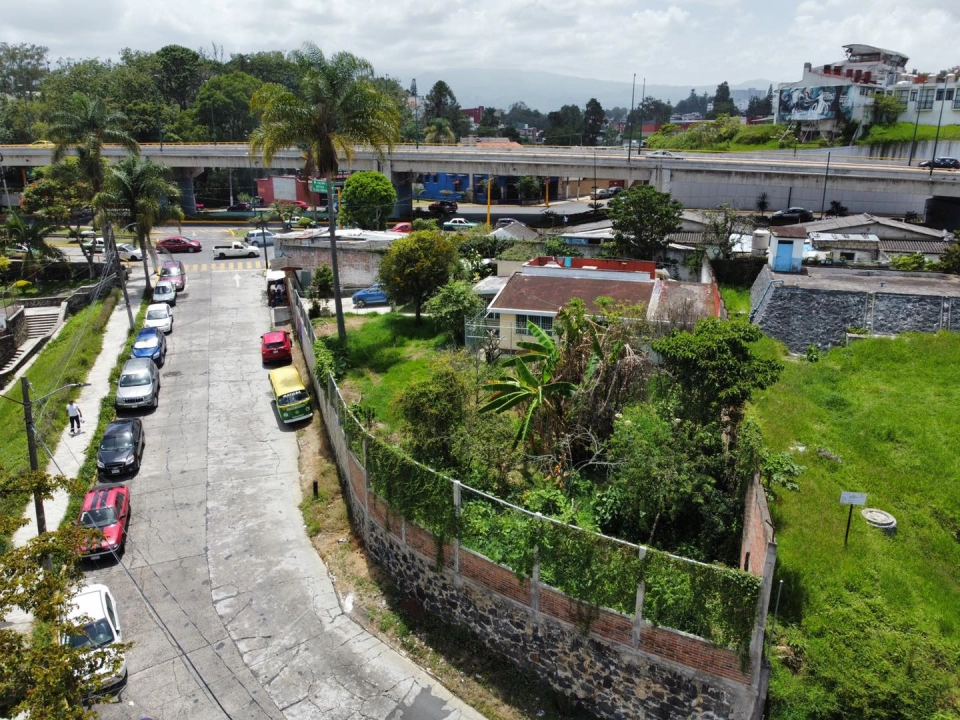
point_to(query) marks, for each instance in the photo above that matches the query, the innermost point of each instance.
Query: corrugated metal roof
(927, 247)
(849, 221)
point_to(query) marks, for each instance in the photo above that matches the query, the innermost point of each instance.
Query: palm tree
(87, 125)
(32, 235)
(137, 190)
(337, 106)
(763, 203)
(438, 132)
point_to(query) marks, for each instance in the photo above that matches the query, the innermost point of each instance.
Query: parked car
(151, 343)
(160, 317)
(81, 215)
(106, 508)
(275, 346)
(944, 163)
(178, 244)
(459, 224)
(139, 385)
(235, 248)
(174, 272)
(299, 203)
(615, 190)
(121, 449)
(17, 250)
(443, 207)
(371, 295)
(791, 216)
(258, 237)
(94, 245)
(240, 207)
(600, 193)
(128, 252)
(95, 609)
(402, 227)
(165, 292)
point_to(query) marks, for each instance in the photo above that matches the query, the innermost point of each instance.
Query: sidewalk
(70, 451)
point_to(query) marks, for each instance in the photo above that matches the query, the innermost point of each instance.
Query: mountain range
(546, 91)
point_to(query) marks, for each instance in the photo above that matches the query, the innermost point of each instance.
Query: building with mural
(830, 96)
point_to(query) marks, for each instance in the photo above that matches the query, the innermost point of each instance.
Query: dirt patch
(451, 654)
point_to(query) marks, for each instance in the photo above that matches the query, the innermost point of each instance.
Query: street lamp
(416, 111)
(943, 100)
(27, 405)
(262, 224)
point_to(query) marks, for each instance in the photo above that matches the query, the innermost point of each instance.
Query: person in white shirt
(76, 417)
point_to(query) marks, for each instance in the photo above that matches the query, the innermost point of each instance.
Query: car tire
(253, 255)
(221, 256)
(193, 249)
(359, 304)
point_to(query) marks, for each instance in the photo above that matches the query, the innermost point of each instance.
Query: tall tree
(31, 234)
(136, 190)
(224, 102)
(440, 102)
(416, 266)
(642, 218)
(722, 102)
(22, 66)
(723, 226)
(180, 74)
(438, 132)
(269, 67)
(593, 121)
(337, 105)
(86, 125)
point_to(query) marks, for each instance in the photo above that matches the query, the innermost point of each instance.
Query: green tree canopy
(367, 200)
(722, 224)
(453, 304)
(642, 218)
(180, 74)
(224, 101)
(593, 121)
(416, 266)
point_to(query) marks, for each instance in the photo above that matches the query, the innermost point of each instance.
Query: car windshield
(99, 518)
(146, 342)
(123, 441)
(164, 289)
(293, 397)
(273, 345)
(134, 379)
(171, 272)
(157, 314)
(96, 634)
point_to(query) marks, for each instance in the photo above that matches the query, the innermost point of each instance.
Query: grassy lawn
(66, 360)
(385, 353)
(737, 300)
(875, 625)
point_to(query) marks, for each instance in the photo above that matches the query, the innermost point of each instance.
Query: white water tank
(761, 242)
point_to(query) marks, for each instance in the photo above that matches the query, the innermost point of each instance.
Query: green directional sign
(318, 186)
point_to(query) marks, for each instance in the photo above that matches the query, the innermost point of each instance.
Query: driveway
(229, 607)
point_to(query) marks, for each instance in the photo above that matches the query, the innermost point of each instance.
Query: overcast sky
(682, 42)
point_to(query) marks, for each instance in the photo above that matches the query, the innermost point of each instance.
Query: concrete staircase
(42, 322)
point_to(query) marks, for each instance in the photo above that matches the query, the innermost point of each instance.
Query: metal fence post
(456, 539)
(535, 575)
(638, 611)
(366, 496)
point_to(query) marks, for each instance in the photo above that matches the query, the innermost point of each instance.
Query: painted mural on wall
(829, 102)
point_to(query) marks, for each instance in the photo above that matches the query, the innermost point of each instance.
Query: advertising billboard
(828, 102)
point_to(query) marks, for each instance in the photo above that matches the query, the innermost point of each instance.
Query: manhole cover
(880, 519)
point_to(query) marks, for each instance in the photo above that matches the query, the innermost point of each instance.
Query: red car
(299, 203)
(177, 244)
(106, 508)
(275, 345)
(402, 227)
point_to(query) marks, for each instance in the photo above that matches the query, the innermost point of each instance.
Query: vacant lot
(873, 629)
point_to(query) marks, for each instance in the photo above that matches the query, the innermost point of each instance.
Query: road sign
(318, 186)
(853, 498)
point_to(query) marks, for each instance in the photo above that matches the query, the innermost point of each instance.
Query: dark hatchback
(121, 450)
(943, 163)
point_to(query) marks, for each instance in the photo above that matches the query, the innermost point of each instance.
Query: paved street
(237, 616)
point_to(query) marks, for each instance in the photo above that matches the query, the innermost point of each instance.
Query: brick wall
(358, 267)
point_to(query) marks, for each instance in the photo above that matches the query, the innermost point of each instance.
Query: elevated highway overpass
(697, 180)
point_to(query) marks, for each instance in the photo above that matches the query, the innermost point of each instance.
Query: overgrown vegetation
(871, 630)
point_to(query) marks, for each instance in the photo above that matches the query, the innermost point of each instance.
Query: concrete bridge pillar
(403, 184)
(184, 177)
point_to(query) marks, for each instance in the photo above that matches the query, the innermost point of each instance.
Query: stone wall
(359, 267)
(14, 335)
(621, 667)
(799, 317)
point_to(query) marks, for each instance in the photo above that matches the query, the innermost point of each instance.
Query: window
(902, 95)
(926, 99)
(956, 102)
(544, 323)
(110, 613)
(949, 95)
(940, 95)
(913, 96)
(848, 256)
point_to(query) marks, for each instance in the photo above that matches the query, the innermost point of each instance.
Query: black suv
(240, 207)
(443, 207)
(947, 163)
(791, 216)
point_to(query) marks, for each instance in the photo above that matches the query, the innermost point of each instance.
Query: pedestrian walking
(76, 417)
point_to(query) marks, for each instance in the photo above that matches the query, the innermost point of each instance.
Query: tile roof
(927, 247)
(547, 295)
(848, 221)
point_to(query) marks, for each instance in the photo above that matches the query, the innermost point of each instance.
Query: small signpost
(318, 186)
(851, 499)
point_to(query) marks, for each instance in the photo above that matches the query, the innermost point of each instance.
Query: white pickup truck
(235, 249)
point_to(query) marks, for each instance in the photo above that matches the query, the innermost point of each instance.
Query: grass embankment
(871, 630)
(65, 360)
(904, 133)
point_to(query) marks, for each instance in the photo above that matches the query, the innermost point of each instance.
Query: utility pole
(630, 118)
(416, 111)
(643, 96)
(32, 450)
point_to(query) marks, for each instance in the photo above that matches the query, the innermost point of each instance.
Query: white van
(95, 610)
